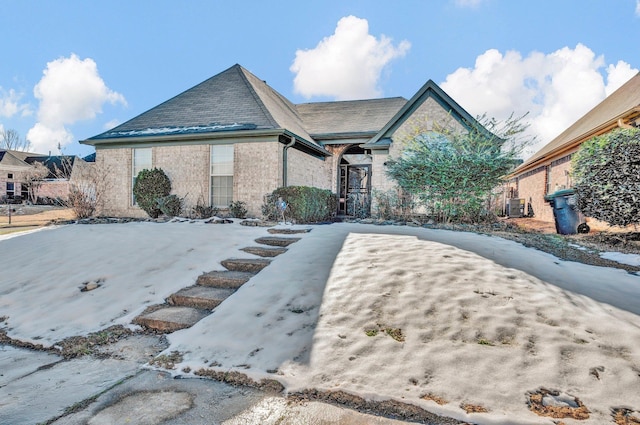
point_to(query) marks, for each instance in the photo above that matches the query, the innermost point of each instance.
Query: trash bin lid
(563, 192)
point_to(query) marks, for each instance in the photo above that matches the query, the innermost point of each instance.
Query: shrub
(81, 202)
(606, 174)
(393, 204)
(170, 205)
(304, 204)
(149, 187)
(238, 209)
(204, 211)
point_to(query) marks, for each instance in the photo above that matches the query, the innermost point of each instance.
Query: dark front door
(355, 190)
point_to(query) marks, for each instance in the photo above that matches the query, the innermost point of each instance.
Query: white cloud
(111, 124)
(69, 91)
(638, 7)
(555, 89)
(347, 64)
(10, 104)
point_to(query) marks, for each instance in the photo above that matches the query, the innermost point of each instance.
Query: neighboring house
(13, 169)
(549, 170)
(234, 138)
(15, 165)
(64, 170)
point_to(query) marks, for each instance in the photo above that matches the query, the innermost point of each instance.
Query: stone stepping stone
(276, 241)
(249, 265)
(204, 297)
(224, 279)
(265, 251)
(170, 319)
(278, 231)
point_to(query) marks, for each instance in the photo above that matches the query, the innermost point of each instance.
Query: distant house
(234, 138)
(548, 170)
(15, 165)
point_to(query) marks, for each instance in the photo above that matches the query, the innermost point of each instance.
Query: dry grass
(30, 217)
(432, 397)
(558, 412)
(473, 408)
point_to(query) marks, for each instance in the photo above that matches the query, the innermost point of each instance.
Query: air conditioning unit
(515, 208)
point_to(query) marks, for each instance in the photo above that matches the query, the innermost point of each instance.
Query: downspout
(284, 160)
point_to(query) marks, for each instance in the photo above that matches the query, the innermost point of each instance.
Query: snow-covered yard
(416, 315)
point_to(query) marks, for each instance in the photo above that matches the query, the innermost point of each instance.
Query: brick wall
(115, 187)
(531, 188)
(306, 170)
(257, 171)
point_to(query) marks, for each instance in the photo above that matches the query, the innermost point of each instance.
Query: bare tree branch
(10, 139)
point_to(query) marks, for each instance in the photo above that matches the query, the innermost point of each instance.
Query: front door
(355, 190)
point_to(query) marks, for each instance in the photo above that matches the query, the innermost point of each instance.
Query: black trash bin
(568, 219)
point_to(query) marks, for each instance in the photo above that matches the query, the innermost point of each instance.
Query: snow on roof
(164, 131)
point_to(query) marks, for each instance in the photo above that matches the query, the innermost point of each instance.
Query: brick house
(234, 138)
(549, 169)
(63, 171)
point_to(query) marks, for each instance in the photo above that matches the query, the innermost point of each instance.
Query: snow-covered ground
(380, 312)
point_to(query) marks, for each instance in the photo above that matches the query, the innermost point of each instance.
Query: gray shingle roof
(356, 116)
(234, 99)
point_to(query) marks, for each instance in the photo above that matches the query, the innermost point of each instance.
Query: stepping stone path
(190, 305)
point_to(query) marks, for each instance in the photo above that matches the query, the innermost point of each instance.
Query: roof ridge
(255, 94)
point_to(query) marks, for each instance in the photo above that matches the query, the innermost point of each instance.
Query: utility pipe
(284, 160)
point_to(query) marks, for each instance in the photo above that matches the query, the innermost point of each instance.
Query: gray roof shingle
(234, 99)
(355, 116)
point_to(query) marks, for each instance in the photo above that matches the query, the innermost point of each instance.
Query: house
(15, 166)
(549, 170)
(234, 138)
(13, 169)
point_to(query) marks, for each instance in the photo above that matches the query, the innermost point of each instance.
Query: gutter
(285, 160)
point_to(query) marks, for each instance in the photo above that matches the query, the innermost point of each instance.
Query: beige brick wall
(306, 170)
(257, 171)
(187, 167)
(115, 167)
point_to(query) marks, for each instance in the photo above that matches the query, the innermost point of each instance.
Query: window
(10, 190)
(221, 175)
(10, 175)
(142, 160)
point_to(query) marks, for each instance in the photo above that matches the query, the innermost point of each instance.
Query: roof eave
(607, 126)
(181, 137)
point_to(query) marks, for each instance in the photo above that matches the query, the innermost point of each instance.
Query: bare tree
(33, 179)
(10, 139)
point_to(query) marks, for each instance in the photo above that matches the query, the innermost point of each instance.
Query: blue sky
(73, 69)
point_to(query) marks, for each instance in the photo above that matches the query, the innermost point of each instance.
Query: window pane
(221, 175)
(222, 160)
(221, 191)
(142, 160)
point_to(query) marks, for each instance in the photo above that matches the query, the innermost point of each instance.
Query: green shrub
(606, 177)
(170, 205)
(238, 209)
(150, 186)
(304, 204)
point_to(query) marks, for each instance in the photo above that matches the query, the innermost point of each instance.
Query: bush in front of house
(606, 177)
(150, 186)
(170, 205)
(238, 209)
(304, 204)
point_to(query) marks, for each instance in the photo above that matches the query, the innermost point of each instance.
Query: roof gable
(14, 158)
(617, 105)
(428, 90)
(232, 100)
